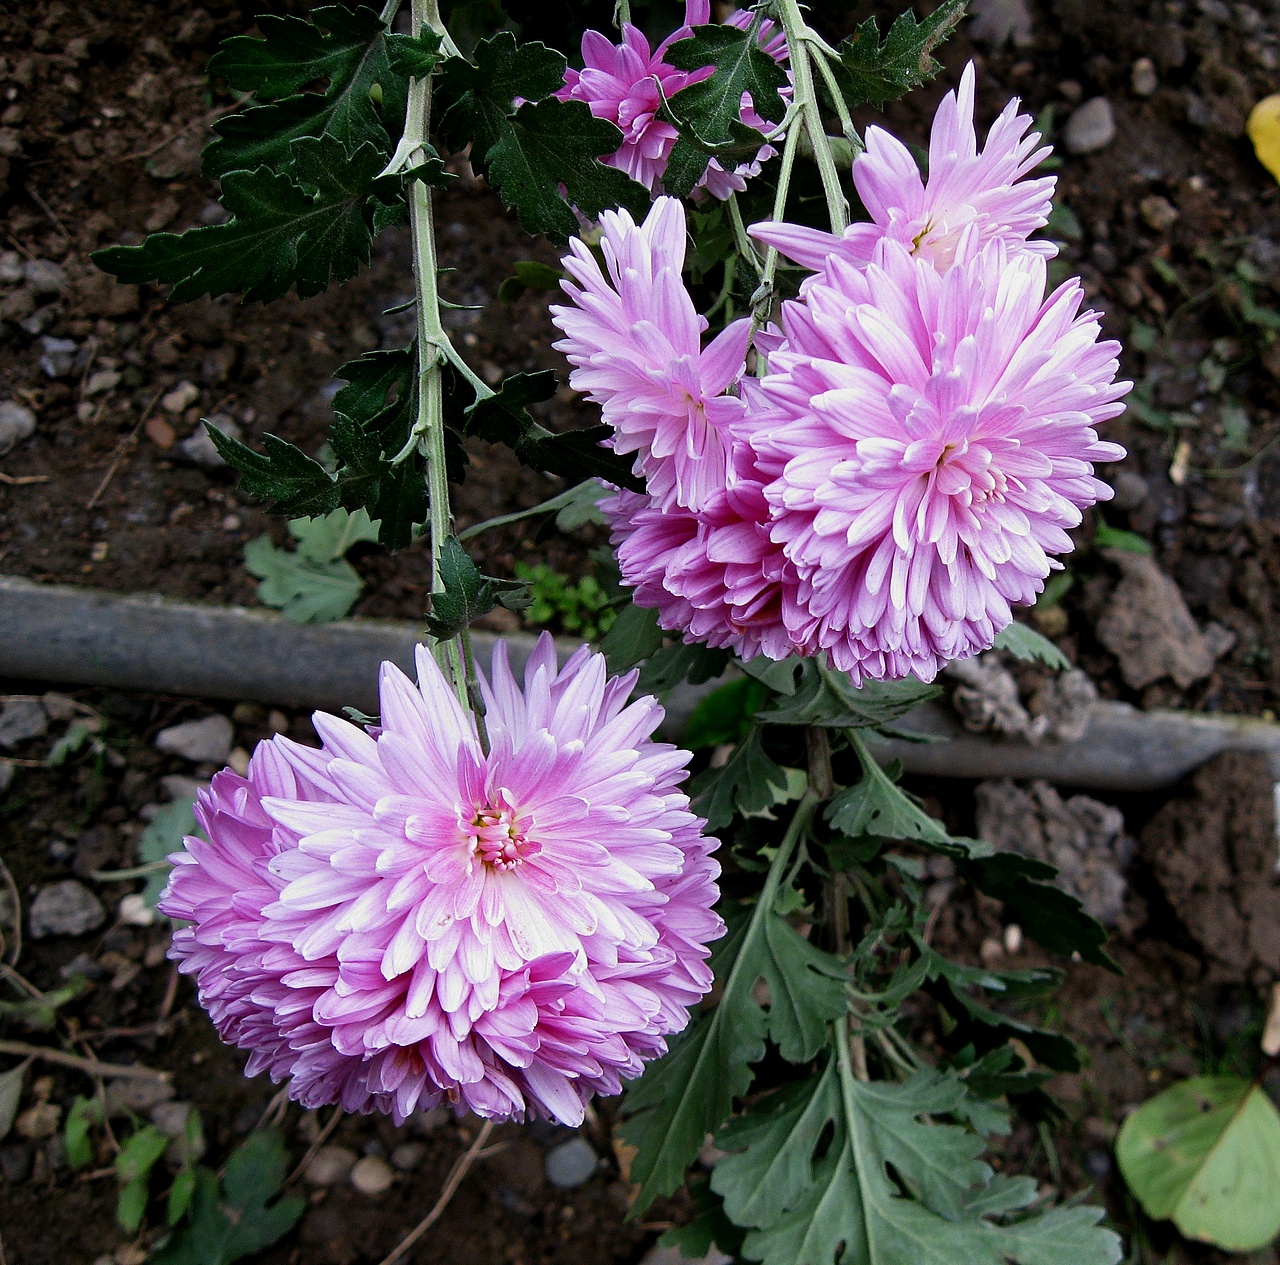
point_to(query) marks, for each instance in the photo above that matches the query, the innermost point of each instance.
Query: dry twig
(125, 444)
(325, 1134)
(91, 1067)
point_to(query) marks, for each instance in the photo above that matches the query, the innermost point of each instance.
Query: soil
(1175, 229)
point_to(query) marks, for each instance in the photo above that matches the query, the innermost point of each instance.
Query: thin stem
(389, 11)
(105, 1071)
(474, 697)
(746, 247)
(546, 507)
(762, 299)
(432, 339)
(842, 110)
(806, 99)
(621, 13)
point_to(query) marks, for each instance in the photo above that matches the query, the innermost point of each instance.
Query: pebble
(101, 382)
(10, 266)
(407, 1156)
(1142, 77)
(44, 276)
(372, 1175)
(171, 1117)
(178, 786)
(160, 433)
(181, 398)
(672, 1256)
(1091, 127)
(68, 908)
(1130, 489)
(571, 1164)
(198, 447)
(205, 741)
(330, 1165)
(1159, 213)
(58, 356)
(40, 1121)
(135, 912)
(21, 720)
(139, 1095)
(17, 422)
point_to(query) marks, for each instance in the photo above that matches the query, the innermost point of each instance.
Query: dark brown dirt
(103, 110)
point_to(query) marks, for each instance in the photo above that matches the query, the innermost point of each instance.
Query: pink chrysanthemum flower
(626, 83)
(929, 439)
(398, 919)
(967, 191)
(635, 341)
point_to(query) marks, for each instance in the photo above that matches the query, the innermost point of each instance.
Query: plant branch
(105, 1071)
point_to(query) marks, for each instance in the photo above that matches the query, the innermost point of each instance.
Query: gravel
(330, 1165)
(65, 909)
(21, 720)
(44, 276)
(571, 1164)
(58, 356)
(1091, 127)
(372, 1175)
(17, 422)
(198, 447)
(206, 741)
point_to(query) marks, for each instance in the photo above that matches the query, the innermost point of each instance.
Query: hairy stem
(432, 341)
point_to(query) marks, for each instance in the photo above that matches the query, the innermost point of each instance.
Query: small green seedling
(1205, 1154)
(84, 1114)
(581, 609)
(137, 1158)
(312, 584)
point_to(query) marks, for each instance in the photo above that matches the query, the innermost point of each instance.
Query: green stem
(842, 110)
(547, 507)
(746, 247)
(432, 341)
(621, 13)
(806, 99)
(762, 299)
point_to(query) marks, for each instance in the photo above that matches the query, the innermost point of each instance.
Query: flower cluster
(922, 440)
(401, 918)
(627, 84)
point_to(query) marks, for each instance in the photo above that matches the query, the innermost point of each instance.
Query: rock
(97, 848)
(429, 1121)
(987, 698)
(1130, 490)
(571, 1164)
(44, 276)
(102, 295)
(68, 908)
(1142, 77)
(135, 912)
(198, 447)
(10, 267)
(1147, 626)
(160, 433)
(101, 382)
(372, 1175)
(206, 741)
(21, 720)
(1092, 126)
(58, 358)
(181, 398)
(1082, 837)
(40, 1121)
(177, 786)
(329, 1166)
(1159, 213)
(673, 1256)
(17, 422)
(999, 22)
(408, 1156)
(171, 1117)
(137, 1096)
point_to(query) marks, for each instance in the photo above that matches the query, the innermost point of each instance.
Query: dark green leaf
(877, 807)
(414, 57)
(709, 1227)
(575, 455)
(529, 274)
(709, 113)
(750, 782)
(828, 698)
(689, 1093)
(84, 1113)
(725, 715)
(466, 595)
(307, 228)
(635, 635)
(1023, 642)
(870, 72)
(284, 474)
(348, 49)
(679, 662)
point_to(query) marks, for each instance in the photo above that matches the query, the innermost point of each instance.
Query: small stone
(408, 1156)
(135, 912)
(329, 1166)
(161, 433)
(40, 1121)
(1159, 213)
(21, 720)
(178, 786)
(198, 447)
(138, 1095)
(205, 741)
(571, 1164)
(1130, 489)
(10, 267)
(101, 382)
(181, 398)
(1091, 127)
(17, 422)
(68, 908)
(1012, 938)
(58, 358)
(1142, 77)
(239, 761)
(44, 276)
(430, 1120)
(251, 714)
(372, 1175)
(129, 1254)
(673, 1256)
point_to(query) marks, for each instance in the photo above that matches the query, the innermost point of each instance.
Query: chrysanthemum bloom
(398, 919)
(929, 439)
(968, 190)
(635, 341)
(626, 84)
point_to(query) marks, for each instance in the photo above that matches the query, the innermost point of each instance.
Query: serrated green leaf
(710, 1227)
(283, 473)
(327, 539)
(414, 57)
(854, 1213)
(466, 594)
(689, 1093)
(749, 782)
(1023, 642)
(877, 807)
(503, 418)
(304, 228)
(304, 591)
(348, 49)
(529, 152)
(681, 661)
(708, 113)
(828, 698)
(869, 72)
(1205, 1153)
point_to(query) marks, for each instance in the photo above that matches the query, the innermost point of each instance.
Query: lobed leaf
(828, 698)
(749, 782)
(1023, 642)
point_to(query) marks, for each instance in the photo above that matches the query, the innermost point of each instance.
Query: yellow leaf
(1264, 132)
